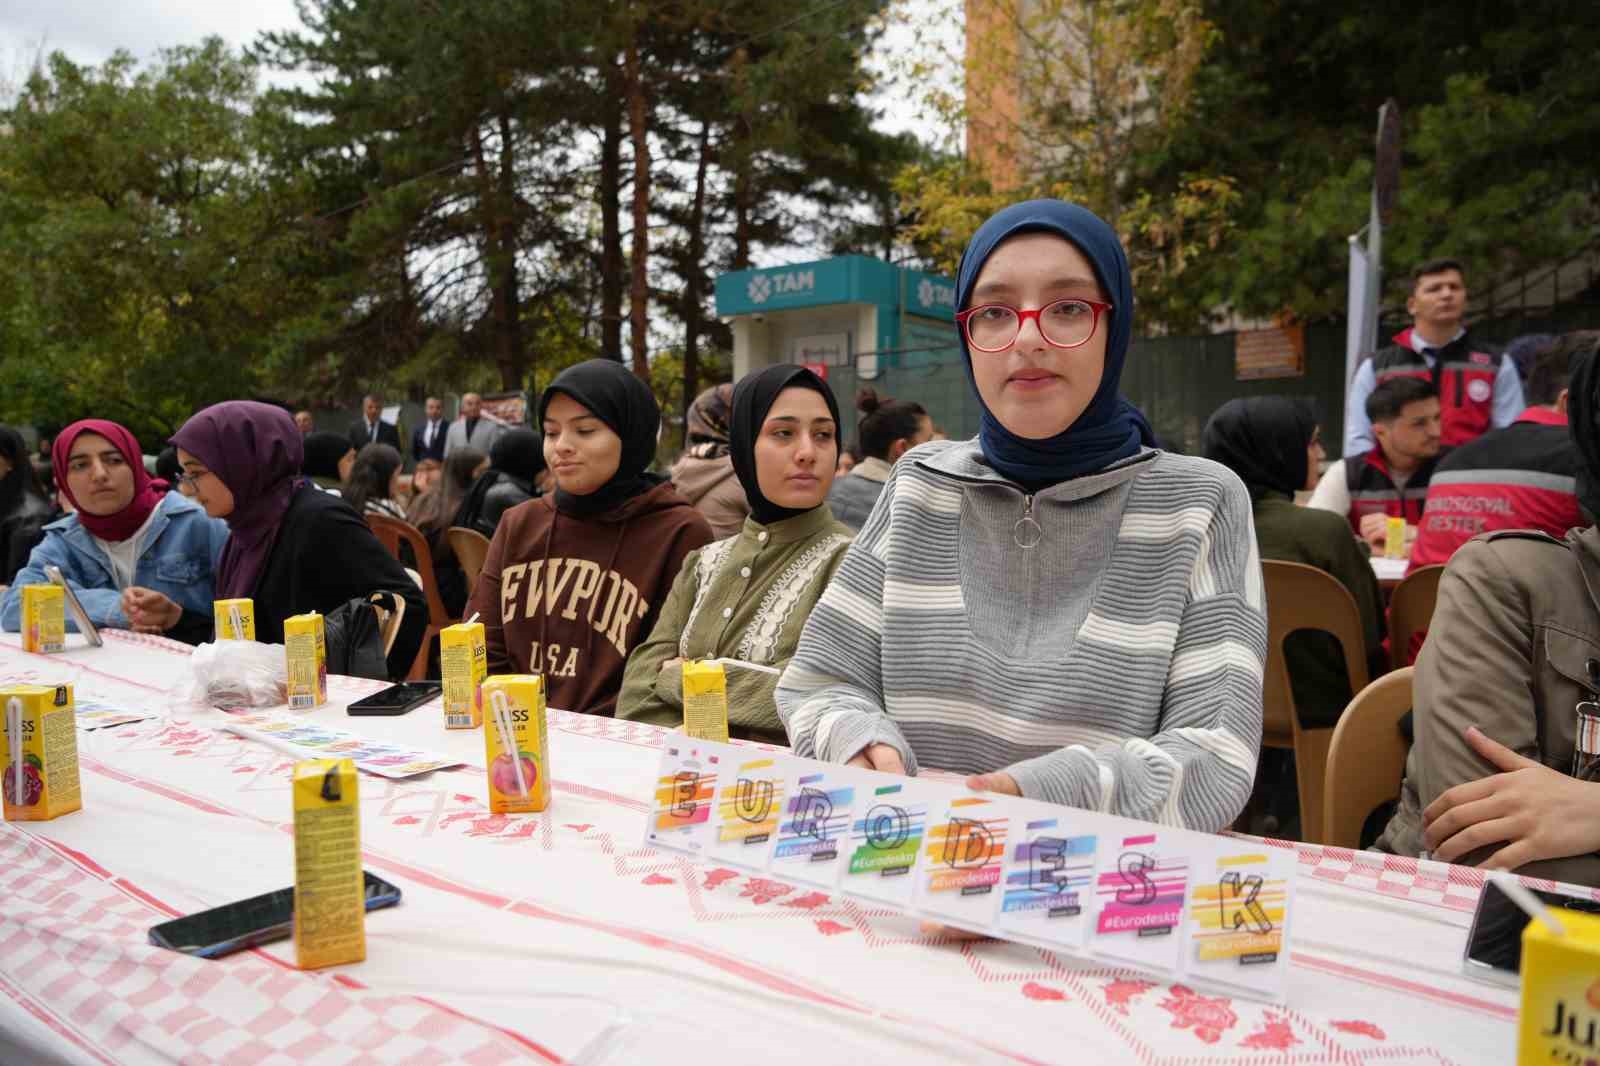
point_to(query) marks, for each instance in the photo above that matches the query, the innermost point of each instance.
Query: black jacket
(387, 434)
(324, 555)
(420, 451)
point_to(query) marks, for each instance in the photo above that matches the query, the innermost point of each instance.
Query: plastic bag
(239, 673)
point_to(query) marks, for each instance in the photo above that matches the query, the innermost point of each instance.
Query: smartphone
(1494, 947)
(74, 607)
(397, 699)
(258, 920)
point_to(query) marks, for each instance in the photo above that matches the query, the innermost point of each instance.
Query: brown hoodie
(569, 597)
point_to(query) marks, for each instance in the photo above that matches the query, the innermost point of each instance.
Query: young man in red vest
(1522, 477)
(1390, 480)
(1476, 390)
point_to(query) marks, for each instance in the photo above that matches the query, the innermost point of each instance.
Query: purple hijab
(255, 450)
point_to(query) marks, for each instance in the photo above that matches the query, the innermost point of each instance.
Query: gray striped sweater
(1115, 665)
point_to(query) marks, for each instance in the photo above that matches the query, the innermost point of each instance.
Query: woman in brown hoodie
(575, 578)
(705, 473)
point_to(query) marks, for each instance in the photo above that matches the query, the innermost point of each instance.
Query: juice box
(464, 661)
(1560, 1016)
(44, 618)
(41, 752)
(235, 619)
(514, 718)
(330, 905)
(705, 701)
(307, 651)
(1394, 538)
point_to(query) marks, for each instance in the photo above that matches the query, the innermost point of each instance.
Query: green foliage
(143, 241)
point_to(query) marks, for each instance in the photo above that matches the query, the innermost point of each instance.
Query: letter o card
(886, 833)
(1048, 893)
(749, 803)
(1239, 921)
(686, 780)
(814, 831)
(1140, 888)
(962, 859)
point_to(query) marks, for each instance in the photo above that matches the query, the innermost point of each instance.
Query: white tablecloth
(558, 938)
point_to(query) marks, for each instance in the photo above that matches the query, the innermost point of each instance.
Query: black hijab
(517, 454)
(1263, 439)
(617, 397)
(1583, 420)
(753, 397)
(21, 481)
(322, 454)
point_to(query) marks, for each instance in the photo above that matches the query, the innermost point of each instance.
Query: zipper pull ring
(1027, 532)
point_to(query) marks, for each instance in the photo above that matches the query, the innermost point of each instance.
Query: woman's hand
(149, 611)
(1375, 530)
(1537, 812)
(999, 781)
(669, 664)
(879, 757)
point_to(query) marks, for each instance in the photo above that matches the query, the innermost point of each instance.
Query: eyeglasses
(1063, 324)
(189, 479)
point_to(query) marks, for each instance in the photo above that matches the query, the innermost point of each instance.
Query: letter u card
(1141, 891)
(962, 860)
(886, 835)
(680, 814)
(1239, 921)
(749, 805)
(814, 832)
(1048, 893)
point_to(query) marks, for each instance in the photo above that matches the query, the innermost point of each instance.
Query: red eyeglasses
(1063, 324)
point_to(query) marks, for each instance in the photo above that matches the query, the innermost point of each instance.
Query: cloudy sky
(89, 31)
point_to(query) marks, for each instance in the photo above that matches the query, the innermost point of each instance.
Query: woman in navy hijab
(1056, 608)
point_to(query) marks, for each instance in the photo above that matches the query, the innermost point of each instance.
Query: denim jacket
(181, 550)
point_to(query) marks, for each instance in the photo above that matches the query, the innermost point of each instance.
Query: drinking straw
(238, 621)
(1531, 904)
(508, 737)
(471, 620)
(773, 670)
(14, 728)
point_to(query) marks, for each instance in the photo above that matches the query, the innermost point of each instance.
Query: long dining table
(560, 937)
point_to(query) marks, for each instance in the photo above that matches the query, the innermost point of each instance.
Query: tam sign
(763, 286)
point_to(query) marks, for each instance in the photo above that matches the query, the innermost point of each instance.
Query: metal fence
(1177, 381)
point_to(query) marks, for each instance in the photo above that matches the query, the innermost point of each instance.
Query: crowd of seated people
(1056, 608)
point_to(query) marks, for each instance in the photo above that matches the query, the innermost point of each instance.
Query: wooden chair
(1410, 611)
(1367, 758)
(391, 611)
(471, 548)
(1303, 597)
(392, 533)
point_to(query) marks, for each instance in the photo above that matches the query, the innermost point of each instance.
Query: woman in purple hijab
(291, 548)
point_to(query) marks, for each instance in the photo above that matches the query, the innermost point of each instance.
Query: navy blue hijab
(1110, 428)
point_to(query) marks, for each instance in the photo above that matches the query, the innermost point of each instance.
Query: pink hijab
(146, 492)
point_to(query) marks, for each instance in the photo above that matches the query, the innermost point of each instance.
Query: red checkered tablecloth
(557, 937)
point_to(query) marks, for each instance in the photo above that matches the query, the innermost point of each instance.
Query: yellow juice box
(1394, 538)
(41, 752)
(1560, 1017)
(235, 619)
(516, 743)
(464, 661)
(44, 618)
(307, 651)
(705, 701)
(330, 904)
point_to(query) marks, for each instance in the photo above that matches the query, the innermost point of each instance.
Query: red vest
(1464, 378)
(1521, 477)
(1373, 491)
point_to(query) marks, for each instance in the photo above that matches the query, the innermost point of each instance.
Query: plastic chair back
(1410, 611)
(1302, 597)
(1367, 758)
